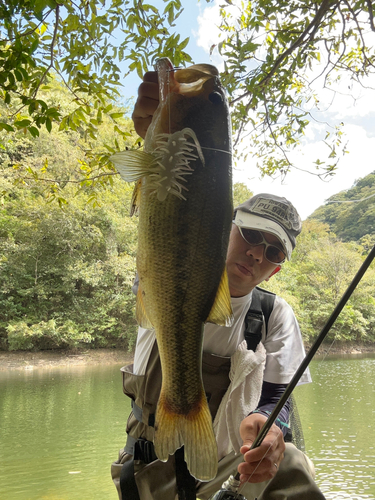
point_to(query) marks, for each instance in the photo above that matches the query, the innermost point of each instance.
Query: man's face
(246, 264)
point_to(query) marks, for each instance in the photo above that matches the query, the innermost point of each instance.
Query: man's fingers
(147, 102)
(151, 76)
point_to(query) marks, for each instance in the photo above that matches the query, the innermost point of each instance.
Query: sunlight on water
(337, 413)
(61, 429)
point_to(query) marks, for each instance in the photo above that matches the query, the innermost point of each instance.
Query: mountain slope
(351, 213)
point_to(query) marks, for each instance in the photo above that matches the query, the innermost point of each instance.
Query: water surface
(61, 428)
(337, 412)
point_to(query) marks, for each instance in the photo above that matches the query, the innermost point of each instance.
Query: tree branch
(371, 14)
(51, 50)
(64, 181)
(314, 26)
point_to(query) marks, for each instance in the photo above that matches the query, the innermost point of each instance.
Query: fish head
(192, 98)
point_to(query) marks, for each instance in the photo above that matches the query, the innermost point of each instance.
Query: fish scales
(182, 246)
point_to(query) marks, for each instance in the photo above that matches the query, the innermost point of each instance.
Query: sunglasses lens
(251, 236)
(274, 254)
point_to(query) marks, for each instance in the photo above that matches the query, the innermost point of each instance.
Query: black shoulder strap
(261, 307)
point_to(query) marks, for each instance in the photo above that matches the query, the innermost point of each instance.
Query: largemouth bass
(184, 193)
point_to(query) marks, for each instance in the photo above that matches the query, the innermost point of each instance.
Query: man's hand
(147, 102)
(263, 462)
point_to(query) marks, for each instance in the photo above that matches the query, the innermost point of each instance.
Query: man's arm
(270, 396)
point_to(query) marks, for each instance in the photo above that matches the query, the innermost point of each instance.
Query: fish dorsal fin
(133, 164)
(140, 311)
(221, 312)
(136, 197)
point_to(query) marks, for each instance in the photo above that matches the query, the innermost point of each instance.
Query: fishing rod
(229, 489)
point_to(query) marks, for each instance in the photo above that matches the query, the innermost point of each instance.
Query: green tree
(274, 52)
(57, 158)
(66, 274)
(83, 43)
(241, 193)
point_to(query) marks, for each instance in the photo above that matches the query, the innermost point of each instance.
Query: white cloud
(208, 33)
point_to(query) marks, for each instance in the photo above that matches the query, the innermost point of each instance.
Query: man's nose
(257, 252)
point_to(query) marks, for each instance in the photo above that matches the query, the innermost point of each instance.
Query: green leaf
(5, 126)
(22, 123)
(18, 75)
(114, 116)
(33, 131)
(48, 125)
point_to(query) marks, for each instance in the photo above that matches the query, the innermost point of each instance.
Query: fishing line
(215, 149)
(169, 102)
(351, 201)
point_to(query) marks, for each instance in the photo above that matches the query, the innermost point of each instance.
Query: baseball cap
(273, 214)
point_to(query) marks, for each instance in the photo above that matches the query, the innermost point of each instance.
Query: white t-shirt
(283, 342)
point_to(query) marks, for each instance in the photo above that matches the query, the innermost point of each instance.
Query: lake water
(60, 429)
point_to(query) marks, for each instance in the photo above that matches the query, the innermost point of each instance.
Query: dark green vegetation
(66, 267)
(334, 242)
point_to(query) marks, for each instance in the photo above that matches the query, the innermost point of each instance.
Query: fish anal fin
(136, 196)
(194, 432)
(140, 311)
(221, 312)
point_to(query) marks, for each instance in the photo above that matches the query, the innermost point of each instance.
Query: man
(263, 236)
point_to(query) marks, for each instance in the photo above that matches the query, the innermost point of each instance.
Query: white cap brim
(251, 221)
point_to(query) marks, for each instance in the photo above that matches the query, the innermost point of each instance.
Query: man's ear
(276, 270)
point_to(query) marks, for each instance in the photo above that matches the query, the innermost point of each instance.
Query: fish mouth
(186, 81)
(192, 80)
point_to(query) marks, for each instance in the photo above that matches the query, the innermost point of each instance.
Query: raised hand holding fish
(146, 104)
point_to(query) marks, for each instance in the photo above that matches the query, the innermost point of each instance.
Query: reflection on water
(60, 429)
(337, 412)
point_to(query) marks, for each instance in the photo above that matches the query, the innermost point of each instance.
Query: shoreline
(29, 360)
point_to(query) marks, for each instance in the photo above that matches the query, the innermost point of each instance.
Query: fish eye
(215, 98)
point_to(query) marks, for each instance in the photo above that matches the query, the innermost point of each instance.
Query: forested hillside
(350, 214)
(67, 255)
(335, 240)
(67, 260)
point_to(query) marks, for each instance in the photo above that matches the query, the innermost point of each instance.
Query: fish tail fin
(193, 431)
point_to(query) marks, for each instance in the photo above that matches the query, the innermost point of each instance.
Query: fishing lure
(166, 167)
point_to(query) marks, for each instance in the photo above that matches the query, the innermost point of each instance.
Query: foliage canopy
(273, 53)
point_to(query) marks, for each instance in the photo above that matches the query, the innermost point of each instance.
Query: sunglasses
(272, 253)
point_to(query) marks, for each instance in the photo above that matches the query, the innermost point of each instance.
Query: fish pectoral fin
(140, 311)
(193, 431)
(132, 165)
(221, 312)
(136, 197)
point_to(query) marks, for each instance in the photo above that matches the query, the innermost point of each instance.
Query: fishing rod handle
(228, 490)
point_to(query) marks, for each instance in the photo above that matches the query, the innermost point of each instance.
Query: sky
(306, 191)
